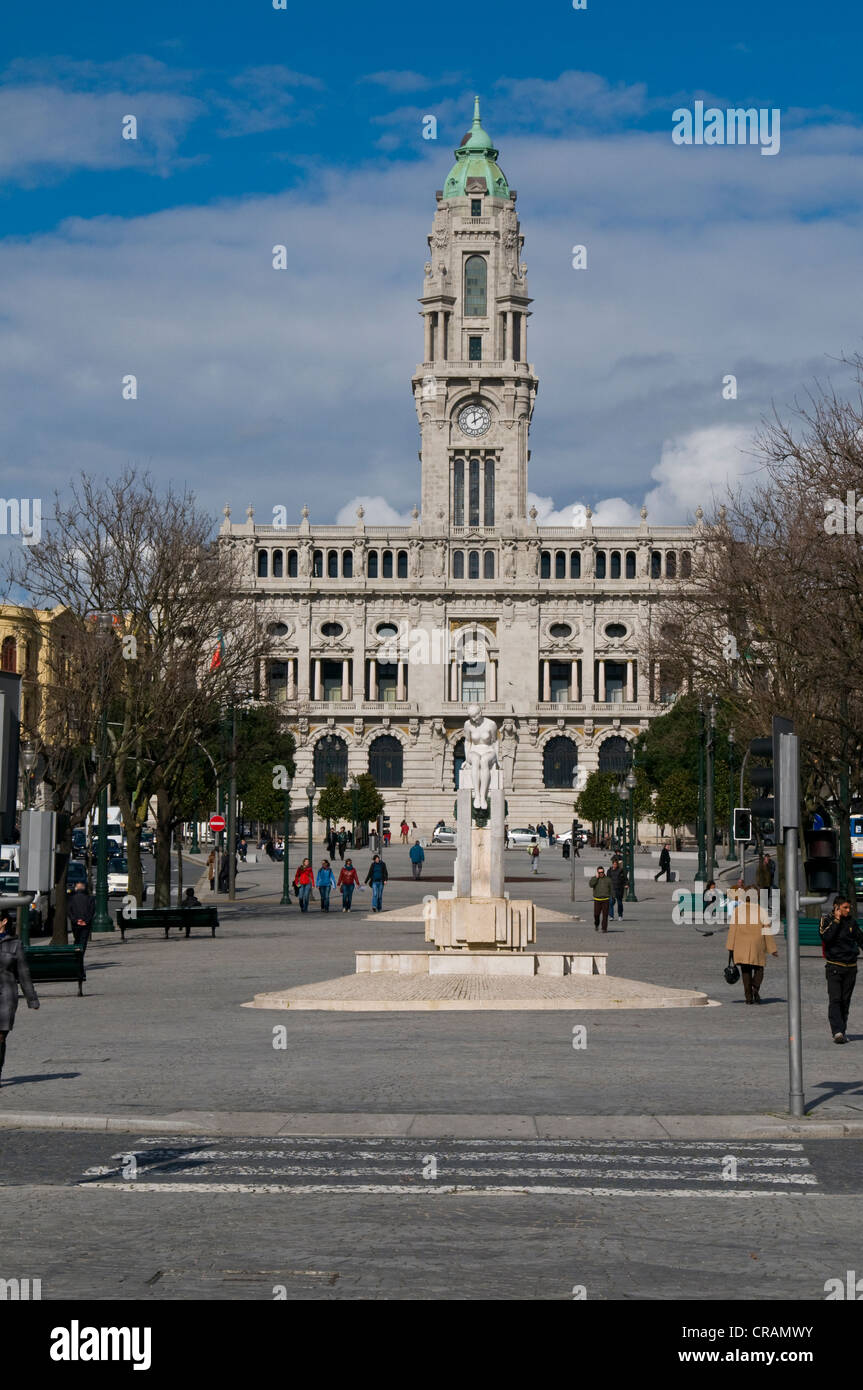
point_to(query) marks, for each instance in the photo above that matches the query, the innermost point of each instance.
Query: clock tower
(474, 389)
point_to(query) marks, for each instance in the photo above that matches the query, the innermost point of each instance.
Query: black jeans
(82, 936)
(666, 871)
(616, 898)
(752, 977)
(841, 980)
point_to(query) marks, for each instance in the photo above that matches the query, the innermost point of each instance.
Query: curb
(436, 1126)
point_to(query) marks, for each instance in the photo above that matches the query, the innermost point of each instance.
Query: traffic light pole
(788, 821)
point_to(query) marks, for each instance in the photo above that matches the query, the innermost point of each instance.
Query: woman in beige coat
(750, 944)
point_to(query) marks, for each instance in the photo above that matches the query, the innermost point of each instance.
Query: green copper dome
(475, 169)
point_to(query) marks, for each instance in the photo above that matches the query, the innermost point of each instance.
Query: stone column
(400, 680)
(373, 678)
(318, 687)
(573, 680)
(346, 683)
(292, 678)
(630, 681)
(453, 679)
(507, 335)
(546, 680)
(427, 357)
(492, 681)
(601, 693)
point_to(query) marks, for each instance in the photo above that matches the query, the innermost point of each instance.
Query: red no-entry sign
(217, 822)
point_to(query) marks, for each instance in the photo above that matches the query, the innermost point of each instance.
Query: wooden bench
(58, 963)
(184, 918)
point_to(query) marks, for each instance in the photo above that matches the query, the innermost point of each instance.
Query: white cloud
(378, 512)
(697, 468)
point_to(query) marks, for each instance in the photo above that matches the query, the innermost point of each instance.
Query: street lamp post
(709, 818)
(28, 759)
(730, 795)
(700, 824)
(286, 873)
(631, 782)
(354, 788)
(194, 847)
(310, 793)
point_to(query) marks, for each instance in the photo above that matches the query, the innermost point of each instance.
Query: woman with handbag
(750, 941)
(304, 880)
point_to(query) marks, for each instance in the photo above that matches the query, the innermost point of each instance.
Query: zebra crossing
(493, 1167)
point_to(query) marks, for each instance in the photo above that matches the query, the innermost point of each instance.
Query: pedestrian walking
(417, 855)
(576, 846)
(303, 882)
(387, 838)
(619, 880)
(81, 911)
(405, 831)
(601, 885)
(505, 835)
(211, 870)
(349, 879)
(533, 852)
(325, 883)
(330, 843)
(749, 945)
(664, 864)
(342, 842)
(14, 971)
(550, 829)
(841, 939)
(242, 849)
(377, 877)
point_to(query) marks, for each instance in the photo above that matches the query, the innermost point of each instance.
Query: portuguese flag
(218, 654)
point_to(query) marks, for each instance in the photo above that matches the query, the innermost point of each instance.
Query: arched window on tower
(473, 564)
(575, 564)
(473, 493)
(488, 565)
(293, 568)
(278, 564)
(671, 564)
(600, 564)
(9, 655)
(475, 279)
(263, 564)
(317, 564)
(402, 565)
(458, 564)
(488, 494)
(630, 564)
(545, 564)
(332, 564)
(387, 565)
(458, 492)
(615, 564)
(686, 565)
(372, 564)
(347, 564)
(560, 564)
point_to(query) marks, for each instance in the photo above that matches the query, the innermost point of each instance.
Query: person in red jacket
(304, 880)
(348, 881)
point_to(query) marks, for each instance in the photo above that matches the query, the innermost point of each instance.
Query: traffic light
(822, 862)
(743, 824)
(766, 806)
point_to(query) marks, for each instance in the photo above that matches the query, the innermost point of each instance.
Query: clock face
(474, 420)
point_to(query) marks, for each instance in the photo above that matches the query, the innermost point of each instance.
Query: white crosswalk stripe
(494, 1167)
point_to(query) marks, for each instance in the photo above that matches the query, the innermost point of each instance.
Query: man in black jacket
(841, 940)
(664, 864)
(619, 882)
(81, 911)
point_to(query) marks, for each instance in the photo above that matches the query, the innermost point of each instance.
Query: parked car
(521, 836)
(118, 878)
(9, 884)
(444, 835)
(76, 872)
(564, 839)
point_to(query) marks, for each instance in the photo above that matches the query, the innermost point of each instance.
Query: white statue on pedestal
(480, 751)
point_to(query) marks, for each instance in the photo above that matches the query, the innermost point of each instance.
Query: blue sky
(303, 127)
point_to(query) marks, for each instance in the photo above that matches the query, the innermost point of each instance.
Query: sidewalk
(161, 1036)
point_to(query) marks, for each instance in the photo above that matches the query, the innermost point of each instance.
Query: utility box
(38, 837)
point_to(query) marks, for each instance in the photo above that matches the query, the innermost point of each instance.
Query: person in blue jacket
(325, 883)
(377, 877)
(417, 855)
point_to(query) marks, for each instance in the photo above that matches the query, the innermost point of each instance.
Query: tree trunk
(133, 837)
(179, 867)
(164, 818)
(59, 933)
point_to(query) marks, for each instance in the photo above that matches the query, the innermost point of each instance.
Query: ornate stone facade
(383, 635)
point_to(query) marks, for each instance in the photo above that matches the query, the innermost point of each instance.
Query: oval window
(278, 629)
(615, 630)
(331, 629)
(387, 630)
(560, 630)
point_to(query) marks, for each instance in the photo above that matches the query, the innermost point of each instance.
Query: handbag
(731, 971)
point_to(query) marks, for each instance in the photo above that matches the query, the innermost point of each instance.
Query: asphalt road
(156, 1218)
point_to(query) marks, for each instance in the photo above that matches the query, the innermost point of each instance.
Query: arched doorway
(386, 761)
(614, 755)
(331, 759)
(559, 762)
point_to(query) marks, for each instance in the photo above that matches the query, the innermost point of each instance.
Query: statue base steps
(481, 962)
(481, 923)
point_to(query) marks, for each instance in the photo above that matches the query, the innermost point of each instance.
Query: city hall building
(383, 635)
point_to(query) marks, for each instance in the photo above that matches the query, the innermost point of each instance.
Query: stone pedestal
(479, 923)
